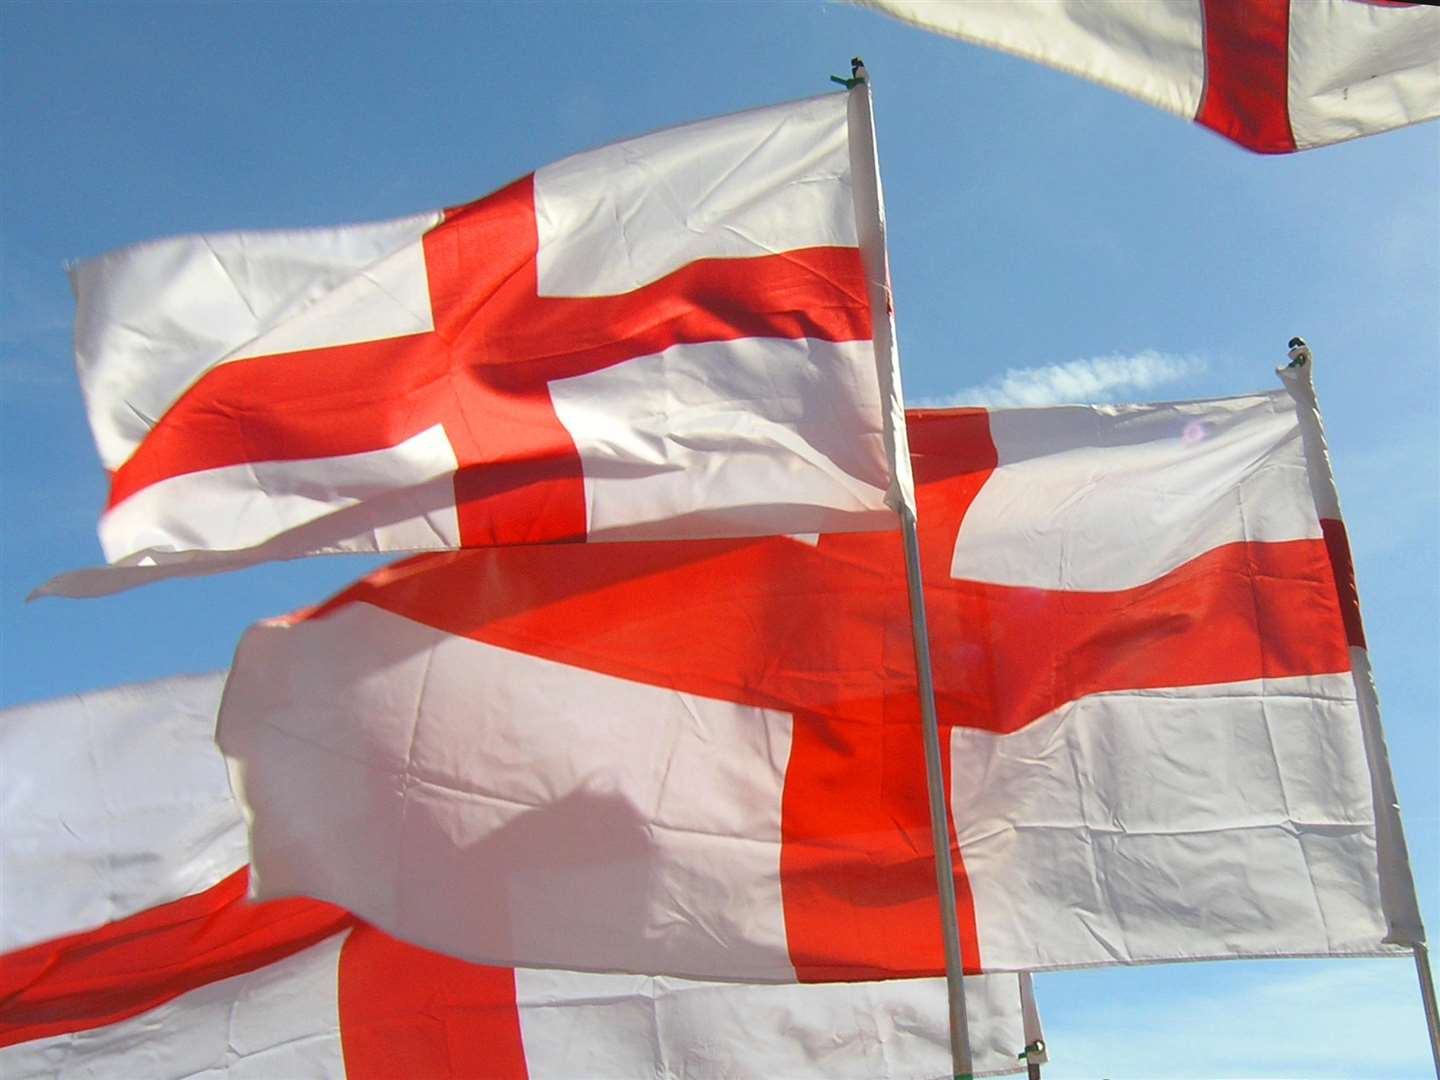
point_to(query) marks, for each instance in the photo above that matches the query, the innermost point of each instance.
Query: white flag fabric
(129, 949)
(1273, 75)
(666, 337)
(704, 758)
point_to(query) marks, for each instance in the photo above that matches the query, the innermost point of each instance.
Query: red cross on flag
(704, 757)
(666, 337)
(1273, 75)
(129, 949)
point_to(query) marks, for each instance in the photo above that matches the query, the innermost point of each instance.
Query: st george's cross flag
(704, 758)
(669, 337)
(128, 948)
(1274, 76)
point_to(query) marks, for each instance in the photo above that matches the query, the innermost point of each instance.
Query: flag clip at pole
(1034, 1056)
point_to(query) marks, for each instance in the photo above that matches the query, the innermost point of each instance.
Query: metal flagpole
(870, 223)
(1398, 899)
(1427, 997)
(939, 813)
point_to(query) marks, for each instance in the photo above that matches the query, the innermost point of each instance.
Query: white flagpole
(870, 221)
(939, 813)
(1398, 898)
(1427, 998)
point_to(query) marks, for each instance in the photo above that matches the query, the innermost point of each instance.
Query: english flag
(129, 949)
(704, 758)
(1273, 75)
(666, 337)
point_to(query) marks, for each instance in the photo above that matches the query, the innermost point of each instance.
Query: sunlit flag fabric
(128, 948)
(704, 758)
(1273, 75)
(665, 337)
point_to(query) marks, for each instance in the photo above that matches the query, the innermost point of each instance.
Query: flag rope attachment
(1398, 899)
(870, 223)
(1031, 1055)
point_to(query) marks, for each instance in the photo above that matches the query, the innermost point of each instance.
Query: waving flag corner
(1274, 76)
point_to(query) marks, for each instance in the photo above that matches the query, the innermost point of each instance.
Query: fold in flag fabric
(129, 949)
(666, 337)
(704, 758)
(1272, 75)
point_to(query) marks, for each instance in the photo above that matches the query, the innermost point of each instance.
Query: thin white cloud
(1094, 379)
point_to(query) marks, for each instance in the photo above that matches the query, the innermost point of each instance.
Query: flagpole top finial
(1300, 353)
(858, 75)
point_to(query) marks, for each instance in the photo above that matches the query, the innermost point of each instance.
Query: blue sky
(1049, 240)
